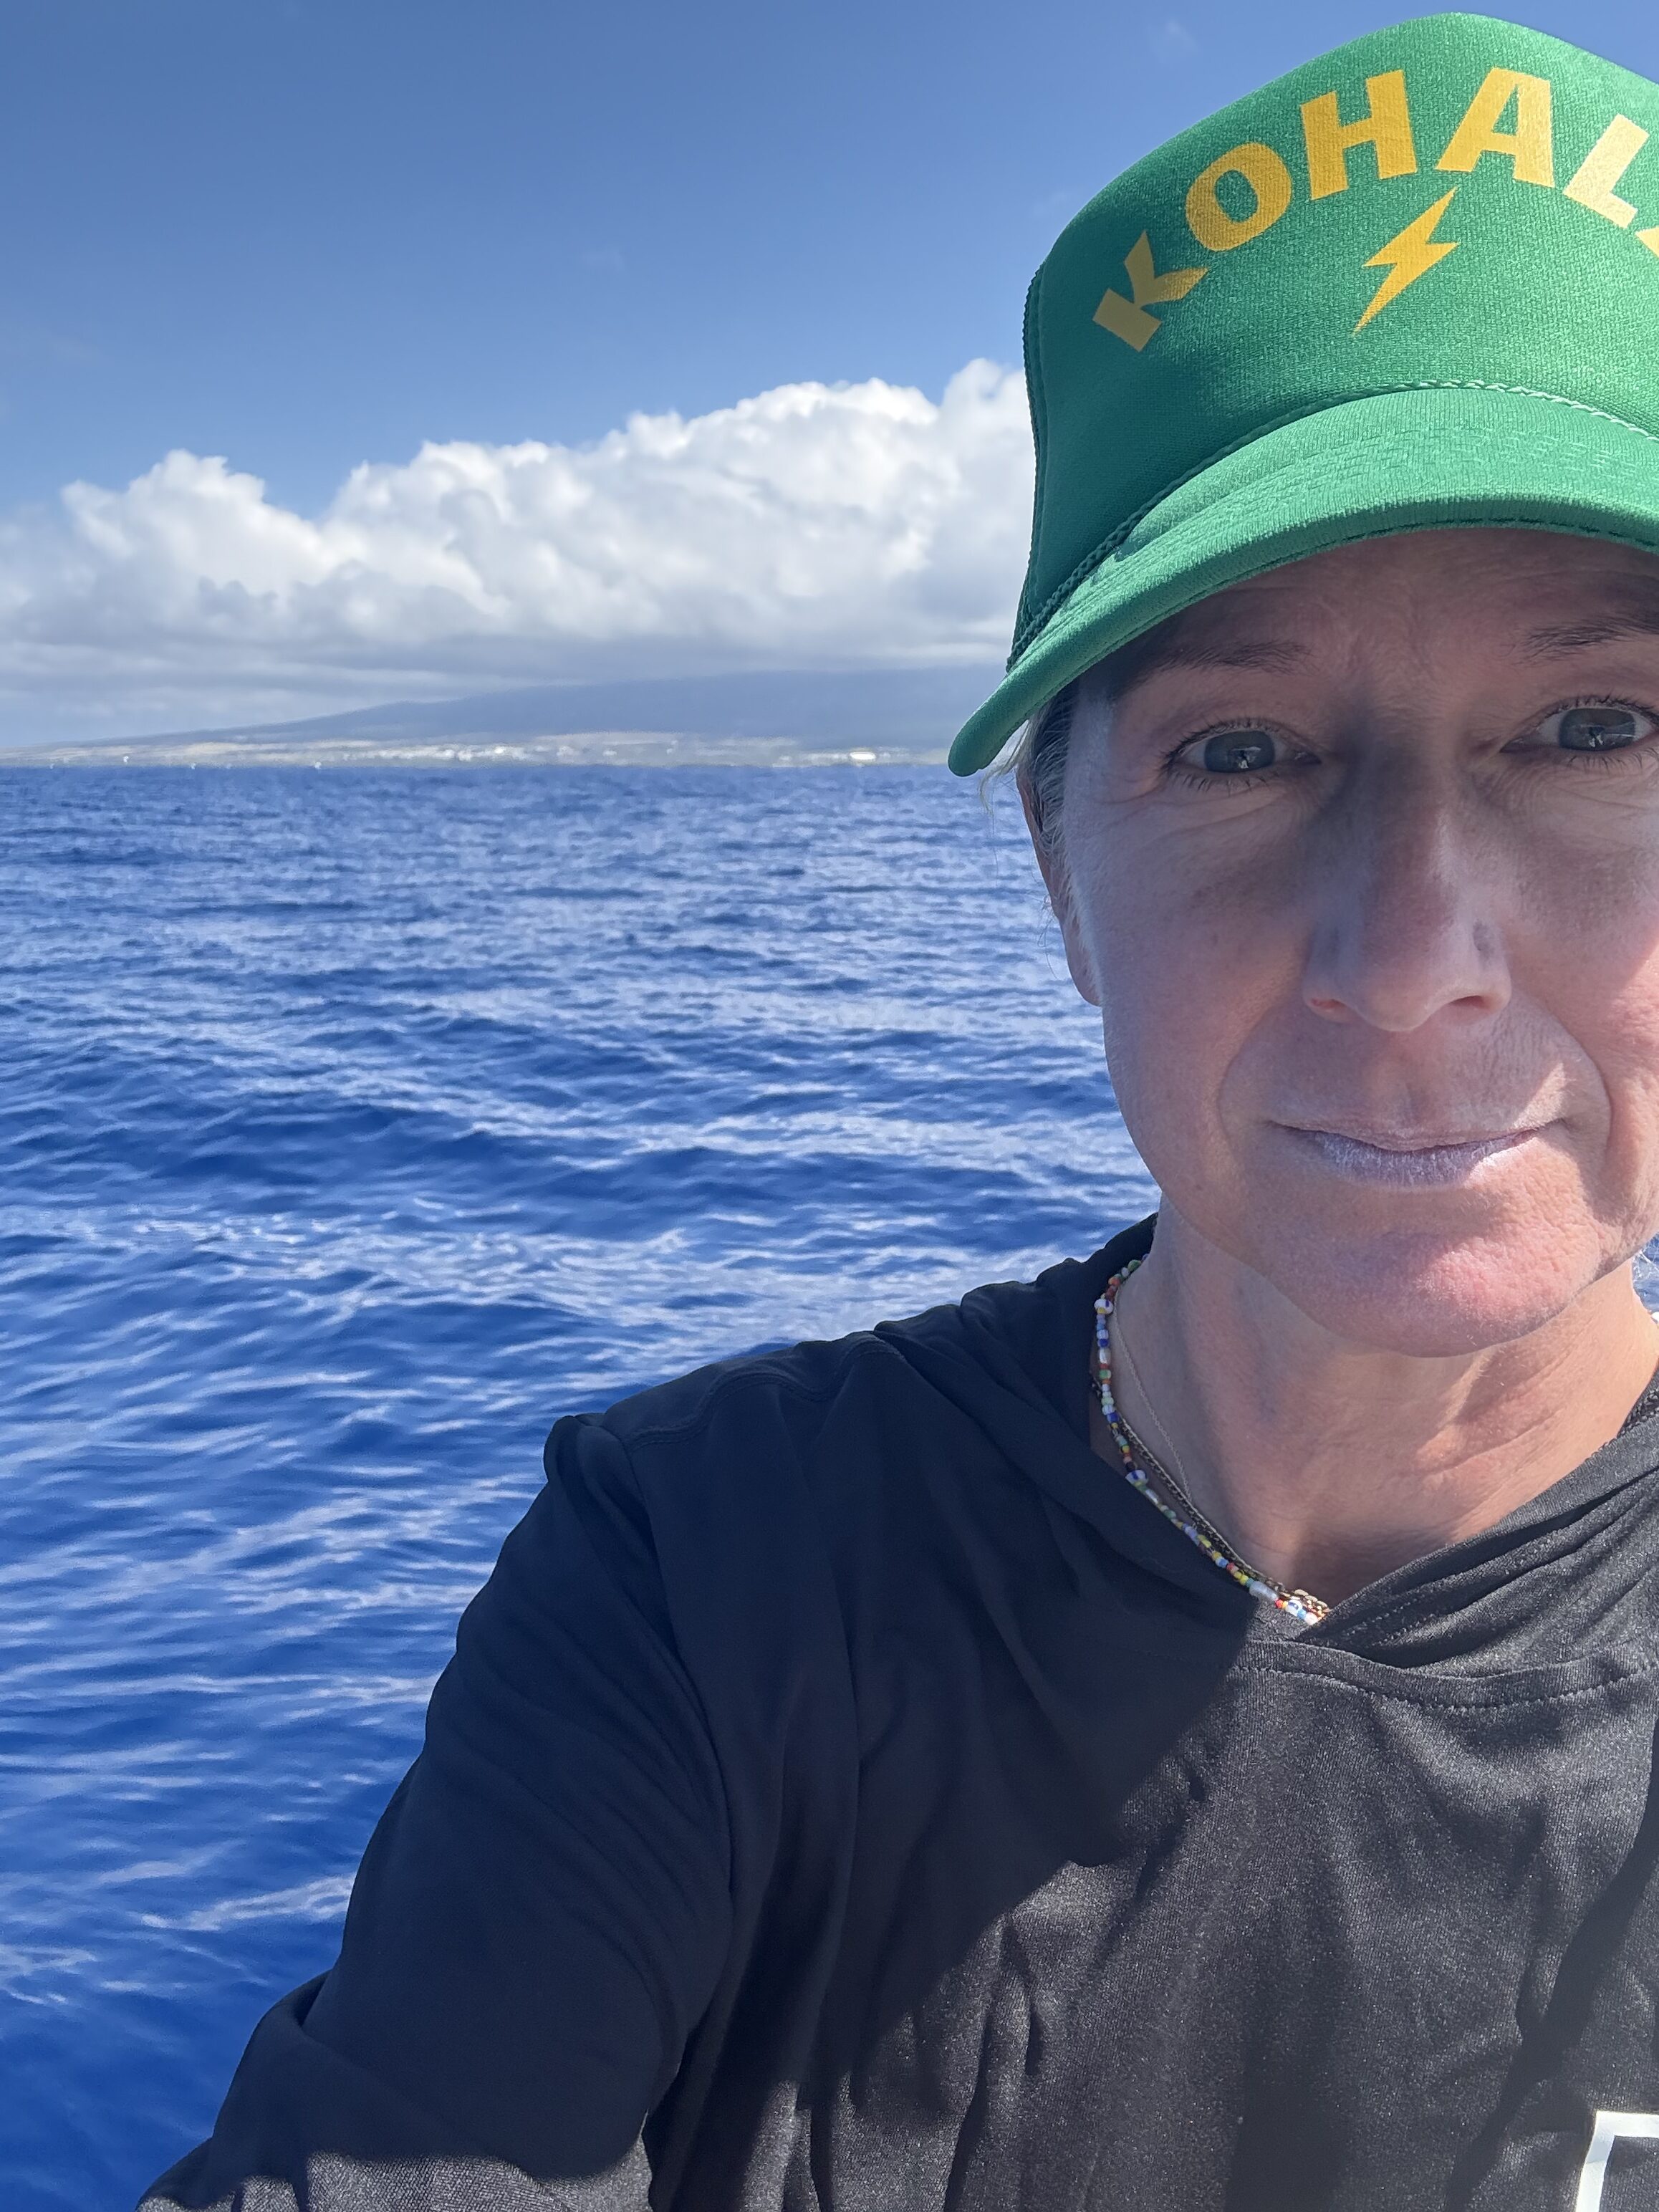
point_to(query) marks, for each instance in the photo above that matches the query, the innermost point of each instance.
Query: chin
(1429, 1296)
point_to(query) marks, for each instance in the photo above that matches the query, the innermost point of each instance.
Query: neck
(1328, 1463)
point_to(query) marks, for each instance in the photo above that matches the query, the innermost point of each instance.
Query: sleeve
(540, 1917)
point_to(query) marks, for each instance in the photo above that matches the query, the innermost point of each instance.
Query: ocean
(356, 1124)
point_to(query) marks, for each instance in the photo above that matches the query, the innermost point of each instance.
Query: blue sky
(312, 233)
(315, 232)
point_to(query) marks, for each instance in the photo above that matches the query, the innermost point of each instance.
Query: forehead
(1537, 593)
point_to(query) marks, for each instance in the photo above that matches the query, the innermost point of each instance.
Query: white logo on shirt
(1609, 2127)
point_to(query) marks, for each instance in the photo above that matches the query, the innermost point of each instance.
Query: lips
(1417, 1141)
(1413, 1159)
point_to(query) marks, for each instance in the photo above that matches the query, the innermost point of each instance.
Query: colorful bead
(1296, 1603)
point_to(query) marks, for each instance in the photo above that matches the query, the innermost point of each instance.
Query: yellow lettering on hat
(1127, 318)
(1528, 146)
(1268, 180)
(1386, 125)
(1650, 239)
(1591, 183)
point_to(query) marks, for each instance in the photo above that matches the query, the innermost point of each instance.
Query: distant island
(758, 718)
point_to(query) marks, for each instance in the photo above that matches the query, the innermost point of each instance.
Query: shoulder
(803, 1415)
(733, 1459)
(768, 1470)
(787, 1383)
(756, 1521)
(995, 1338)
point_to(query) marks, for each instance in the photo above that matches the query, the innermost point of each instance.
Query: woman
(1178, 1734)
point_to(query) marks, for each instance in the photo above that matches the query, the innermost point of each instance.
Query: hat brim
(1431, 458)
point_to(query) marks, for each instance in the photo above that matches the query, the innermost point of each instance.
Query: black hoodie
(849, 1793)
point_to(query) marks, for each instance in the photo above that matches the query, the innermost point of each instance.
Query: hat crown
(1456, 201)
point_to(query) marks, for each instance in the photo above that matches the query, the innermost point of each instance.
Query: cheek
(1592, 962)
(1620, 1034)
(1189, 973)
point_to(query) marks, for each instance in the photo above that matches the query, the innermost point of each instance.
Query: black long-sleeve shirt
(849, 1793)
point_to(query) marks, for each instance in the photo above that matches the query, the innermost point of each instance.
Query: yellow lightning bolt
(1408, 256)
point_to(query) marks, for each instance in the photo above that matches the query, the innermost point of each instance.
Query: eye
(1233, 752)
(1598, 727)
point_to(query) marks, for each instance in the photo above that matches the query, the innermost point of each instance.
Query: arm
(540, 1916)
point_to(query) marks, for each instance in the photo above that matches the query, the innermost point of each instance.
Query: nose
(1405, 921)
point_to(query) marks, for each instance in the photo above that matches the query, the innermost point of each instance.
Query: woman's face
(1362, 870)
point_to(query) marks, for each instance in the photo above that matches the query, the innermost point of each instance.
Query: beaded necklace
(1301, 1605)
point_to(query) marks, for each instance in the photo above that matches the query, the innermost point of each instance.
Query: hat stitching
(1524, 391)
(1086, 568)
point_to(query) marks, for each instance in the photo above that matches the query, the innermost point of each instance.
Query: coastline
(589, 749)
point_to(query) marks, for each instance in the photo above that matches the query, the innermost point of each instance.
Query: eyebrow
(1155, 655)
(1555, 638)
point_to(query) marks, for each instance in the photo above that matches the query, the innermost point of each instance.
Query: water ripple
(355, 1126)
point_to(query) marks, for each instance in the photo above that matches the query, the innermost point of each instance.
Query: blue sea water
(354, 1126)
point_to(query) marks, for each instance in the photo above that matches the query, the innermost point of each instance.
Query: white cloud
(814, 526)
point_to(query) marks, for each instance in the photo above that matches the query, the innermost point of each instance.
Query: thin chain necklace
(1161, 1489)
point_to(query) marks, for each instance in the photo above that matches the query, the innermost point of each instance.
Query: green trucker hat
(1413, 285)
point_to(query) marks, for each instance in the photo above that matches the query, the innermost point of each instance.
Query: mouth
(1407, 1162)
